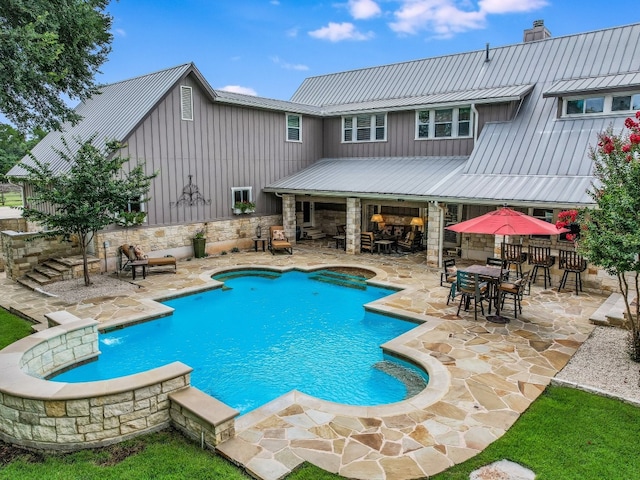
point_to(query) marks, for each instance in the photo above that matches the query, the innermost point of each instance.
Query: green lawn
(566, 434)
(11, 199)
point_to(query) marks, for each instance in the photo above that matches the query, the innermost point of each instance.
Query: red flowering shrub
(566, 219)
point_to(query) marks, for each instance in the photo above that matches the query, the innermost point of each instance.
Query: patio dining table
(492, 275)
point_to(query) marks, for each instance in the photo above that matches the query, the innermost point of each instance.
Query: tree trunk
(85, 262)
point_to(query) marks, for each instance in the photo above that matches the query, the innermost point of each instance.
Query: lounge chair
(128, 254)
(278, 240)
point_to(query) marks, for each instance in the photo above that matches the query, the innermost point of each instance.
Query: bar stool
(571, 262)
(512, 254)
(540, 257)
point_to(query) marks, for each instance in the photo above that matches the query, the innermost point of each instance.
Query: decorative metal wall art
(190, 196)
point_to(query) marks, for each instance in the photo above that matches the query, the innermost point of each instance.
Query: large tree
(49, 50)
(610, 233)
(93, 193)
(14, 145)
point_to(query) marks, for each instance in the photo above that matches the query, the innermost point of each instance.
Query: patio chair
(128, 253)
(571, 262)
(411, 242)
(278, 240)
(469, 287)
(498, 262)
(367, 241)
(516, 290)
(512, 254)
(448, 277)
(540, 257)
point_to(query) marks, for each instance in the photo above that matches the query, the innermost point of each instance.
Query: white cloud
(120, 32)
(274, 2)
(510, 6)
(445, 18)
(292, 32)
(240, 89)
(336, 32)
(289, 66)
(363, 9)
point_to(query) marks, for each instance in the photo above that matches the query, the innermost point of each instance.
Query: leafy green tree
(50, 49)
(14, 145)
(89, 196)
(610, 233)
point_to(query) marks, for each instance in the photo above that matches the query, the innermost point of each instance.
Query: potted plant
(244, 207)
(569, 219)
(199, 244)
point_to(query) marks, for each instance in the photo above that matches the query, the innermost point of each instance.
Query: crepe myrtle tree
(92, 193)
(610, 233)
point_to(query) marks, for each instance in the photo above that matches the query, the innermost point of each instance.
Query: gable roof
(112, 114)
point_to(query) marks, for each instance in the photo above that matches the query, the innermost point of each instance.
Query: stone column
(354, 216)
(434, 231)
(289, 216)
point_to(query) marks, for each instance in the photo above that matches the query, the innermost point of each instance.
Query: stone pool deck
(491, 373)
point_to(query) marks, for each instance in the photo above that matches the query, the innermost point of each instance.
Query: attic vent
(186, 99)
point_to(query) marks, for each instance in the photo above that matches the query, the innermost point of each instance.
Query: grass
(11, 199)
(565, 435)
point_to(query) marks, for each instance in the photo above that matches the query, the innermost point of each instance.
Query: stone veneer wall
(47, 415)
(12, 224)
(176, 240)
(22, 252)
(354, 213)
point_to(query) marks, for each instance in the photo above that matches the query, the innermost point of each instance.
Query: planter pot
(237, 211)
(199, 245)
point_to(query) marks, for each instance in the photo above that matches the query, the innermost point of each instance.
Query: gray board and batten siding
(224, 146)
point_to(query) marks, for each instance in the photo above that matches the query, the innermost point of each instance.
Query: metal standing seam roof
(376, 176)
(594, 84)
(112, 114)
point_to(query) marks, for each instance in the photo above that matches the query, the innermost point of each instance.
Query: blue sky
(268, 47)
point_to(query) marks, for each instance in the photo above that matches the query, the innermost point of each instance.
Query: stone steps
(55, 270)
(611, 312)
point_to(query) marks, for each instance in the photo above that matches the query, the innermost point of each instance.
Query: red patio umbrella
(506, 222)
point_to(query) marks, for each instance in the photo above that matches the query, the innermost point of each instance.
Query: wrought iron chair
(571, 262)
(367, 241)
(448, 277)
(540, 257)
(516, 290)
(512, 254)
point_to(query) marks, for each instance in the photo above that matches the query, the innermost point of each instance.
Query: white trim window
(294, 127)
(601, 104)
(241, 194)
(364, 128)
(452, 122)
(186, 102)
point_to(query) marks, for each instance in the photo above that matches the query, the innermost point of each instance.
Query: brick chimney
(538, 32)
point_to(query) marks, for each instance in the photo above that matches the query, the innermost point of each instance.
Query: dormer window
(601, 104)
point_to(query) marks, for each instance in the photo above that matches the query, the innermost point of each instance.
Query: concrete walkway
(492, 372)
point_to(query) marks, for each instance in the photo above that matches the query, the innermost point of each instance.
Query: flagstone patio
(491, 372)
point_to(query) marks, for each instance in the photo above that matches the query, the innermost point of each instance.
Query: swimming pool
(266, 333)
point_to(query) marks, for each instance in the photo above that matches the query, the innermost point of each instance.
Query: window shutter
(186, 99)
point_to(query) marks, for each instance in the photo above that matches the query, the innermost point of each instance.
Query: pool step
(341, 279)
(244, 273)
(413, 381)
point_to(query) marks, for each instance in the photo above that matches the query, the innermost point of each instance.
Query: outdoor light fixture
(377, 219)
(417, 222)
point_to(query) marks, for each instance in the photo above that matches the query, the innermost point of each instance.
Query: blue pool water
(262, 335)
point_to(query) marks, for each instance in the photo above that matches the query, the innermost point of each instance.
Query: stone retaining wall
(49, 415)
(22, 252)
(13, 224)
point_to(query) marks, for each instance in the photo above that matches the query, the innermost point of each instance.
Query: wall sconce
(377, 219)
(417, 222)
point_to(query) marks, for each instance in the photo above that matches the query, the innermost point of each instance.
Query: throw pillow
(139, 252)
(279, 235)
(397, 231)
